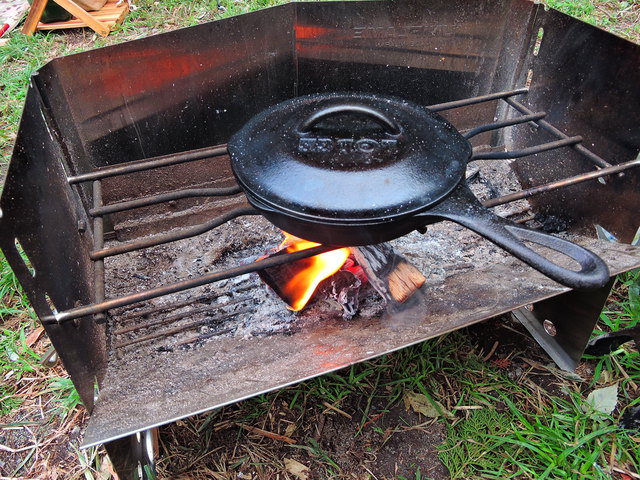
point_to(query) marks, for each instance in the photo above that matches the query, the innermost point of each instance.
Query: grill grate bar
(178, 316)
(597, 160)
(182, 328)
(98, 244)
(176, 305)
(183, 285)
(561, 183)
(172, 237)
(505, 123)
(164, 197)
(544, 147)
(439, 107)
(150, 163)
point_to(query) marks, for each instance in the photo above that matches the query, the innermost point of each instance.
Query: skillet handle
(464, 208)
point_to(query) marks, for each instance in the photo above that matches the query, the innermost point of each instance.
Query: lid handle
(379, 117)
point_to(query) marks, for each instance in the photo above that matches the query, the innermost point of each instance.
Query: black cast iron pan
(360, 169)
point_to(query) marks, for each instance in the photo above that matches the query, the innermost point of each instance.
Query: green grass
(553, 436)
(469, 441)
(626, 311)
(17, 359)
(13, 301)
(65, 395)
(619, 17)
(557, 440)
(576, 8)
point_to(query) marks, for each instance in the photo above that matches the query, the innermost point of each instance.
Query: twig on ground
(491, 352)
(335, 409)
(626, 472)
(264, 433)
(624, 373)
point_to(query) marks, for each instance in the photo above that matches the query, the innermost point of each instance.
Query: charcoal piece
(551, 223)
(630, 420)
(343, 288)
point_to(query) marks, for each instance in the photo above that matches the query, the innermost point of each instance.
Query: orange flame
(302, 285)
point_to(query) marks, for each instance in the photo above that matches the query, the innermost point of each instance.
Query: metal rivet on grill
(550, 328)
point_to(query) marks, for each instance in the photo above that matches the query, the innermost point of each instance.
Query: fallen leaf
(34, 336)
(502, 363)
(296, 468)
(604, 400)
(291, 428)
(419, 403)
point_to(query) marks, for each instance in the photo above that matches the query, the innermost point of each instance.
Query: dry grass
(39, 438)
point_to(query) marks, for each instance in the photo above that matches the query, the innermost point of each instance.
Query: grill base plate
(152, 391)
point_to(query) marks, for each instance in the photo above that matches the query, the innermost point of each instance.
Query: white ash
(243, 306)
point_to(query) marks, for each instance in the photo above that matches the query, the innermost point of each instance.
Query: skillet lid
(348, 158)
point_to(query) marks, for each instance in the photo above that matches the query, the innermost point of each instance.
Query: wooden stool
(101, 21)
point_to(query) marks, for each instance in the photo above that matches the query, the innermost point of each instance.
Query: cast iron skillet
(359, 169)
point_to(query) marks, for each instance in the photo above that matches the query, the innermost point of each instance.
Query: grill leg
(562, 325)
(133, 457)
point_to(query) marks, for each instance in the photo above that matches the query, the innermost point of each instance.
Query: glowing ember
(300, 287)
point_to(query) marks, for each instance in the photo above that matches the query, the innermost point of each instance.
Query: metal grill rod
(98, 243)
(149, 163)
(164, 197)
(181, 328)
(493, 202)
(505, 123)
(172, 237)
(176, 316)
(439, 107)
(165, 308)
(567, 142)
(184, 285)
(559, 134)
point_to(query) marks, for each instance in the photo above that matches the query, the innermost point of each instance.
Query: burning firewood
(337, 278)
(341, 288)
(393, 277)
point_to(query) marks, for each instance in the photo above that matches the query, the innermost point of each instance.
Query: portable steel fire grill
(138, 259)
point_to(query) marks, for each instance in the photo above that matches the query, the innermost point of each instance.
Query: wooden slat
(35, 13)
(78, 12)
(101, 21)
